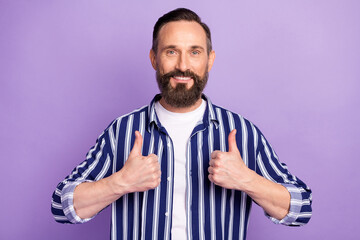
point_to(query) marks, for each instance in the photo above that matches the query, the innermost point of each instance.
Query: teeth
(183, 78)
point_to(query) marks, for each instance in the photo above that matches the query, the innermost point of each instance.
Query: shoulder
(229, 120)
(228, 116)
(141, 112)
(137, 115)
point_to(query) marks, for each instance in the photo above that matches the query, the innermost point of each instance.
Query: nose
(183, 63)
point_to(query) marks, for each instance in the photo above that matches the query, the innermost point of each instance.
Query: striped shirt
(212, 212)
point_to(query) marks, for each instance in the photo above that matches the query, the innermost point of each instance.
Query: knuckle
(215, 153)
(217, 164)
(156, 170)
(154, 176)
(215, 178)
(154, 183)
(151, 162)
(220, 155)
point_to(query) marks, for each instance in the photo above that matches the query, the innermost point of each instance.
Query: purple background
(68, 68)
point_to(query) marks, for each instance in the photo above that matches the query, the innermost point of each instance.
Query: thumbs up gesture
(140, 173)
(227, 169)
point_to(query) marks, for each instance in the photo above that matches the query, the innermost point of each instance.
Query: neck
(180, 110)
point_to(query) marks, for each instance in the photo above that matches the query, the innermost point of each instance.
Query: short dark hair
(180, 14)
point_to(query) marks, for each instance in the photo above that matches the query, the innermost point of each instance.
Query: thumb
(232, 141)
(136, 150)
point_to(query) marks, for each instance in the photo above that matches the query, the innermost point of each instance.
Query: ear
(153, 59)
(211, 60)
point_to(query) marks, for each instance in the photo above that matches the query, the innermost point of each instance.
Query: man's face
(181, 62)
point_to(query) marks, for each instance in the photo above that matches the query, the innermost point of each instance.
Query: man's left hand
(227, 169)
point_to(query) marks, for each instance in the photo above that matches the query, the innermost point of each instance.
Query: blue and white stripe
(212, 212)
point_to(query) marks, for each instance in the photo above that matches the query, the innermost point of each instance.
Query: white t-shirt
(179, 127)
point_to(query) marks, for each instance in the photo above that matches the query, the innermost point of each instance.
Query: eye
(195, 52)
(171, 52)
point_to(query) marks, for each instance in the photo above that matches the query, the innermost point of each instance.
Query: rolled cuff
(67, 202)
(295, 206)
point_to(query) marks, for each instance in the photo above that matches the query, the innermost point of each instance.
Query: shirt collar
(209, 115)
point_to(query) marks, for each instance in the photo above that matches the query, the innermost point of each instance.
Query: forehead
(182, 34)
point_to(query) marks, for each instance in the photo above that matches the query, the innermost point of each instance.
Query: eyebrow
(174, 47)
(197, 47)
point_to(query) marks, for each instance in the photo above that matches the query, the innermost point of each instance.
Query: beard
(180, 96)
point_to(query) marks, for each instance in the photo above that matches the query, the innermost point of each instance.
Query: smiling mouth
(182, 79)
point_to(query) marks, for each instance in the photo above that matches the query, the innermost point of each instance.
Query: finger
(215, 163)
(232, 141)
(155, 165)
(215, 153)
(136, 150)
(210, 178)
(211, 163)
(153, 157)
(152, 160)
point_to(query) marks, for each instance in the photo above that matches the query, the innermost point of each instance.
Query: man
(181, 168)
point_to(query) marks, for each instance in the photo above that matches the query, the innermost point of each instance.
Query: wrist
(112, 184)
(249, 181)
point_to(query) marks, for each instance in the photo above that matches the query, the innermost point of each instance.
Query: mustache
(179, 73)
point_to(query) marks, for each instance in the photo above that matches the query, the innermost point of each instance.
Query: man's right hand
(140, 173)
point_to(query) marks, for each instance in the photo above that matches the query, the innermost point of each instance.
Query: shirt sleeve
(67, 203)
(98, 165)
(272, 169)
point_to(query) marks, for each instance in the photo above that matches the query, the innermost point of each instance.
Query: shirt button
(166, 214)
(169, 179)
